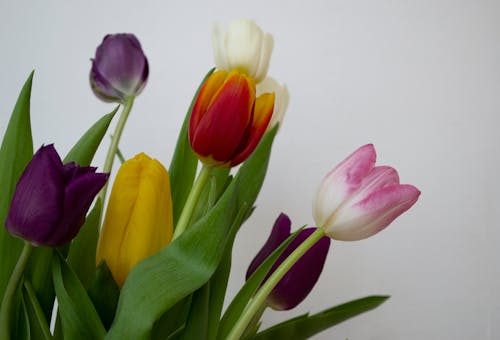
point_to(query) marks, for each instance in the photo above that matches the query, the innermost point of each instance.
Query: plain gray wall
(419, 79)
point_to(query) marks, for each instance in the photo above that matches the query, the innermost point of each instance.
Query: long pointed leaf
(16, 151)
(79, 318)
(305, 326)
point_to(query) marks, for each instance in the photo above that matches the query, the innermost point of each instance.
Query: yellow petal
(139, 219)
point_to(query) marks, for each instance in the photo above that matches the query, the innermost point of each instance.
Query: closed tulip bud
(244, 47)
(358, 199)
(296, 284)
(51, 199)
(138, 220)
(227, 121)
(120, 68)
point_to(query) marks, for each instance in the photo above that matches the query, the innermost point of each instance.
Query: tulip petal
(79, 193)
(153, 209)
(243, 46)
(344, 180)
(298, 282)
(263, 112)
(220, 130)
(205, 98)
(378, 177)
(218, 45)
(121, 61)
(373, 213)
(38, 198)
(120, 207)
(279, 233)
(281, 99)
(265, 57)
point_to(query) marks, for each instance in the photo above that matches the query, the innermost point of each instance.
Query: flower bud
(227, 121)
(296, 284)
(51, 199)
(244, 47)
(138, 220)
(358, 199)
(120, 68)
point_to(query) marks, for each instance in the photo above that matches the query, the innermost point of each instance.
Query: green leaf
(212, 191)
(78, 316)
(81, 256)
(39, 329)
(38, 273)
(184, 162)
(172, 321)
(236, 307)
(23, 331)
(188, 262)
(15, 153)
(84, 150)
(305, 326)
(104, 293)
(197, 322)
(204, 316)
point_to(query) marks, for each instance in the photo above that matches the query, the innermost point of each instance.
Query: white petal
(265, 57)
(281, 99)
(218, 45)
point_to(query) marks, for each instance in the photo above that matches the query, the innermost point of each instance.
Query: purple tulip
(52, 199)
(120, 68)
(301, 278)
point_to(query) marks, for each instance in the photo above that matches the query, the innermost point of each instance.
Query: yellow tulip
(139, 219)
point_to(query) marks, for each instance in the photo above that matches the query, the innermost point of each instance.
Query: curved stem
(10, 290)
(259, 299)
(192, 201)
(115, 139)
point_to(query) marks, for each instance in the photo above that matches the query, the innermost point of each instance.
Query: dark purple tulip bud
(52, 199)
(301, 278)
(120, 68)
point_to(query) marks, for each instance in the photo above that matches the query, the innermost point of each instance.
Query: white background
(419, 79)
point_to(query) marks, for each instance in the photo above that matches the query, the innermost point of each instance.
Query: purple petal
(37, 202)
(120, 67)
(298, 282)
(279, 233)
(79, 194)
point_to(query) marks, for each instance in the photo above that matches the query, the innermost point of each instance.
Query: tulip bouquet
(152, 261)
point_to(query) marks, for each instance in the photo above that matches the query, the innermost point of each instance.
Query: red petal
(205, 97)
(222, 127)
(263, 112)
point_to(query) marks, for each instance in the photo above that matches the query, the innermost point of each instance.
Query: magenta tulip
(358, 199)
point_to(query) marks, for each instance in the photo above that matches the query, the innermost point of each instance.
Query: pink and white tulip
(358, 199)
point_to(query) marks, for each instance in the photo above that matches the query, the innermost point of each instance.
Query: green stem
(192, 201)
(115, 139)
(254, 323)
(10, 291)
(259, 299)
